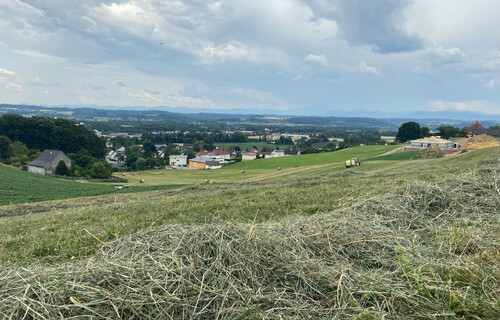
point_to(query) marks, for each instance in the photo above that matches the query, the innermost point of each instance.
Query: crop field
(18, 186)
(379, 241)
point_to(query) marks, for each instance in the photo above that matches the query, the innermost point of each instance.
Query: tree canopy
(46, 133)
(408, 131)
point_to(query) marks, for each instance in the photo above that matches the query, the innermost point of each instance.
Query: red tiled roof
(475, 125)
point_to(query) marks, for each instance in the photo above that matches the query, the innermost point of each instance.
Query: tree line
(22, 139)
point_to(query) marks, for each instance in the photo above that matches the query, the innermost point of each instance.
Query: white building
(178, 160)
(424, 143)
(277, 153)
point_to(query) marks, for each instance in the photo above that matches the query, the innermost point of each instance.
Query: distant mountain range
(315, 111)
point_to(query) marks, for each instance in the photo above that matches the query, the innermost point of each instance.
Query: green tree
(190, 154)
(99, 170)
(62, 169)
(447, 132)
(425, 132)
(140, 164)
(238, 157)
(409, 131)
(4, 147)
(18, 153)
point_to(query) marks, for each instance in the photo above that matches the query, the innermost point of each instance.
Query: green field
(390, 239)
(18, 186)
(362, 153)
(21, 187)
(249, 145)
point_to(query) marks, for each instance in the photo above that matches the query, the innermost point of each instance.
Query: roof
(475, 125)
(293, 152)
(212, 163)
(431, 140)
(45, 159)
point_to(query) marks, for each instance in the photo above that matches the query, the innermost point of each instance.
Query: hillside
(410, 239)
(20, 187)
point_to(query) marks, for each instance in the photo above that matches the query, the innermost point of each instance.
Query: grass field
(249, 145)
(258, 169)
(18, 186)
(390, 239)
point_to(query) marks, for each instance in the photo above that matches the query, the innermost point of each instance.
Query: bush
(62, 169)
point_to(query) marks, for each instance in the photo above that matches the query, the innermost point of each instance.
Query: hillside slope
(415, 240)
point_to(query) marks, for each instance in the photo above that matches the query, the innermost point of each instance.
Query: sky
(310, 55)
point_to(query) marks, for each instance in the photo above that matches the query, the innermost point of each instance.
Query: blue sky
(387, 55)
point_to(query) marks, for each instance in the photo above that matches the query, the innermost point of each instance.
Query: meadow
(390, 239)
(380, 241)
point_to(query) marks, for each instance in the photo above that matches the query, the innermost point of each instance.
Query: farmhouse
(248, 156)
(424, 143)
(47, 162)
(277, 153)
(178, 160)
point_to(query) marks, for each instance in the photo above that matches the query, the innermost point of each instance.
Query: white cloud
(13, 86)
(363, 67)
(321, 59)
(211, 53)
(6, 72)
(492, 83)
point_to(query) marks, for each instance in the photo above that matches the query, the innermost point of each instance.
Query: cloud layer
(281, 54)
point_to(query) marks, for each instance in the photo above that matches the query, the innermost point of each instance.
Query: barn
(47, 162)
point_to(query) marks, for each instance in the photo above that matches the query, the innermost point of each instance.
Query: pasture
(380, 241)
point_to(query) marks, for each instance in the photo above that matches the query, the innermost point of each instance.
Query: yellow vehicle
(354, 162)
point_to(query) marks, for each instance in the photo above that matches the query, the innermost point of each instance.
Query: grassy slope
(362, 153)
(18, 186)
(386, 242)
(40, 235)
(257, 169)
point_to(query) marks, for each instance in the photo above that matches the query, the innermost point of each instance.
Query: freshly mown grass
(393, 242)
(305, 160)
(408, 155)
(74, 231)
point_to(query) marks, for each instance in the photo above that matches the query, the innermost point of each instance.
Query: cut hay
(425, 250)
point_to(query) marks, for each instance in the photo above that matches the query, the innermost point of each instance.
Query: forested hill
(47, 133)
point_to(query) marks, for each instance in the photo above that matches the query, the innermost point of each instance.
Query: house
(212, 165)
(178, 160)
(319, 145)
(216, 154)
(115, 158)
(424, 143)
(204, 163)
(277, 153)
(292, 152)
(265, 154)
(475, 126)
(47, 162)
(245, 156)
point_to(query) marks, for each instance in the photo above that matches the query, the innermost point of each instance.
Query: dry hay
(427, 250)
(479, 141)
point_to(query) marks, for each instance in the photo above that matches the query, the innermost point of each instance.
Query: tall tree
(409, 131)
(4, 148)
